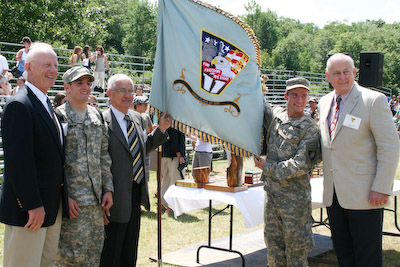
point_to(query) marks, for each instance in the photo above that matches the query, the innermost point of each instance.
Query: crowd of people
(394, 104)
(76, 176)
(6, 75)
(96, 63)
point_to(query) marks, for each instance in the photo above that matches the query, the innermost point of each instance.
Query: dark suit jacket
(34, 162)
(122, 160)
(175, 144)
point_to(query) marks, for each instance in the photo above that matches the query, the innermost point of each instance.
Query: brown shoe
(168, 210)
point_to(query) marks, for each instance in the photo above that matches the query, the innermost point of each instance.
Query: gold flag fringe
(186, 129)
(242, 24)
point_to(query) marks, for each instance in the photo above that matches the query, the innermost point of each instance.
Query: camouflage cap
(297, 82)
(75, 73)
(140, 100)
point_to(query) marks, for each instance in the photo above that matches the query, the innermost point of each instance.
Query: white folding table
(249, 202)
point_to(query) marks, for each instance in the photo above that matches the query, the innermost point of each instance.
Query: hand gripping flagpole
(159, 207)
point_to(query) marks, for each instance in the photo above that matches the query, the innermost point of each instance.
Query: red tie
(332, 126)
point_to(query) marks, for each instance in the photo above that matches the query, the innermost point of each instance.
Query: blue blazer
(34, 162)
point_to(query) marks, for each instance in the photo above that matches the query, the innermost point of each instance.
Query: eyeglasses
(92, 104)
(123, 91)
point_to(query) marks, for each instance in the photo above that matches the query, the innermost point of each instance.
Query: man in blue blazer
(33, 185)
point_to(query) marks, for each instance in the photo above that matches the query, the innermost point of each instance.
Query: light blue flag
(206, 75)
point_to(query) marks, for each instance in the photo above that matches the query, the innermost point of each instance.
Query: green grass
(192, 228)
(189, 229)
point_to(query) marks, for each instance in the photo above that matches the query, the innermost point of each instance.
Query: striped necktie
(53, 117)
(134, 147)
(332, 126)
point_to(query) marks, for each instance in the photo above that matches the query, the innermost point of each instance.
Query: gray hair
(116, 78)
(339, 56)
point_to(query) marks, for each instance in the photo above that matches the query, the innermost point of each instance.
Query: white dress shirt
(43, 99)
(121, 121)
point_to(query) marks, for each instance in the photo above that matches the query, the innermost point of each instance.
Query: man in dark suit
(33, 183)
(130, 185)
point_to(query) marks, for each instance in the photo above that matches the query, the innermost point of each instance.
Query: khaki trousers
(23, 247)
(170, 174)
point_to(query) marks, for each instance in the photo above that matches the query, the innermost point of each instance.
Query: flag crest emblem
(221, 62)
(206, 75)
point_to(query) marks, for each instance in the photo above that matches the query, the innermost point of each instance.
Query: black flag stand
(159, 206)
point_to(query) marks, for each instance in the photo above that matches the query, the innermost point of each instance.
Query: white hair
(116, 78)
(339, 56)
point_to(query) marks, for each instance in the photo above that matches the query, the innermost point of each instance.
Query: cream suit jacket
(360, 157)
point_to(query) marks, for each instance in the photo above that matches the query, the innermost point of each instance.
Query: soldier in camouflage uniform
(313, 110)
(87, 173)
(292, 150)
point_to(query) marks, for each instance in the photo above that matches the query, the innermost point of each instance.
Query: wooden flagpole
(159, 207)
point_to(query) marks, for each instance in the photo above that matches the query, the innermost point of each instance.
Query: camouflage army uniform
(88, 176)
(292, 151)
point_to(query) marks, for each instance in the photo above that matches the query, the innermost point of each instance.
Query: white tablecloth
(317, 187)
(250, 202)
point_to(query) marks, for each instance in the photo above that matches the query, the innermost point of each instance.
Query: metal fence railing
(319, 84)
(140, 69)
(277, 84)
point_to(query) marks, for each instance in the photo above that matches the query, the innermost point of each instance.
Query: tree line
(129, 27)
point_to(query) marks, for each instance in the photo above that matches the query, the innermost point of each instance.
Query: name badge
(352, 121)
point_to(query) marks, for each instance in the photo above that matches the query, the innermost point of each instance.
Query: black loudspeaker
(371, 69)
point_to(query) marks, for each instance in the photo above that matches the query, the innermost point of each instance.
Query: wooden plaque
(222, 186)
(189, 183)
